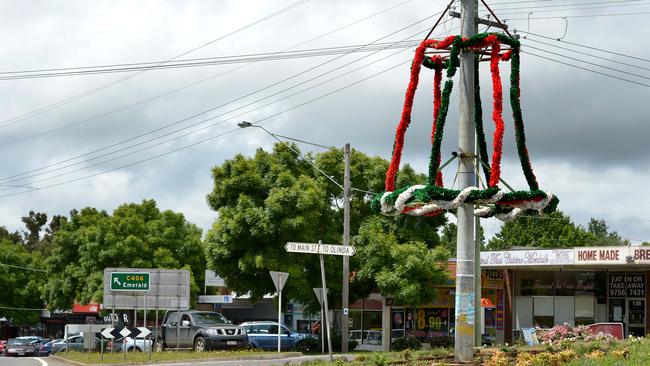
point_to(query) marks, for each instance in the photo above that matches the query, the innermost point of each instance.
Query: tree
(448, 237)
(602, 236)
(135, 235)
(273, 198)
(20, 286)
(34, 222)
(555, 230)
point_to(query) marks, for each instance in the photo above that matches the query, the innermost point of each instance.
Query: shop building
(579, 286)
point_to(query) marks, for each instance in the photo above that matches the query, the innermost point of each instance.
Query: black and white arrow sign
(120, 332)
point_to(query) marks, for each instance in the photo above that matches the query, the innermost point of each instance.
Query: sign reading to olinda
(312, 248)
(129, 281)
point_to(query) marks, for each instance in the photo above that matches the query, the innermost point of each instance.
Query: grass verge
(139, 357)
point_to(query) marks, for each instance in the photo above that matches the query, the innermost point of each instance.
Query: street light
(244, 124)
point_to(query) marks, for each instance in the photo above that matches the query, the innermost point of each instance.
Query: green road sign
(129, 281)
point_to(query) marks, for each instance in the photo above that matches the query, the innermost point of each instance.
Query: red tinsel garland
(408, 106)
(497, 112)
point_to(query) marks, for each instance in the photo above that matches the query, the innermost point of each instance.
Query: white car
(137, 345)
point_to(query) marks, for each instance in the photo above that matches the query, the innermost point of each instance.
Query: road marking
(43, 363)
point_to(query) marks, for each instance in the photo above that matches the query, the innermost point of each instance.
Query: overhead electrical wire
(202, 62)
(211, 77)
(21, 176)
(589, 62)
(212, 137)
(49, 107)
(587, 46)
(617, 3)
(584, 16)
(589, 54)
(586, 69)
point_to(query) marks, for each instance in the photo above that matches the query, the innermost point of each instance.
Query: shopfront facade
(579, 286)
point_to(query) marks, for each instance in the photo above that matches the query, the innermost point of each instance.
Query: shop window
(543, 311)
(585, 310)
(536, 284)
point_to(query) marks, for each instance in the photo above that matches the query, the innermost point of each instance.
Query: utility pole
(465, 272)
(346, 241)
(477, 222)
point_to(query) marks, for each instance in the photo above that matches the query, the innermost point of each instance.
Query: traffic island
(139, 358)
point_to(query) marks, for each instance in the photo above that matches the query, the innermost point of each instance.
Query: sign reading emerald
(129, 281)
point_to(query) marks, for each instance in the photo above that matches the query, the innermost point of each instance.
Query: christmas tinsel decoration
(433, 199)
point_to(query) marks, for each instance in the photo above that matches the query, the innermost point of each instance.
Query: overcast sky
(586, 132)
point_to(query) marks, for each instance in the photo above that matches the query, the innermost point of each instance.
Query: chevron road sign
(119, 332)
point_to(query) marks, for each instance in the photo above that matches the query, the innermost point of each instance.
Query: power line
(25, 309)
(172, 91)
(586, 69)
(609, 4)
(212, 137)
(23, 176)
(202, 62)
(586, 46)
(589, 54)
(25, 268)
(584, 16)
(11, 178)
(589, 63)
(76, 97)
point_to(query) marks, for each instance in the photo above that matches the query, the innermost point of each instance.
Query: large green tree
(22, 278)
(555, 230)
(275, 197)
(135, 235)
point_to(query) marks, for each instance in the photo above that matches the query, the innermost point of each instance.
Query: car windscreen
(210, 318)
(18, 342)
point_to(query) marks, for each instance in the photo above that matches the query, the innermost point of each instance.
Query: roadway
(46, 361)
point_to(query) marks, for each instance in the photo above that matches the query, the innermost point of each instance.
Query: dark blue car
(264, 335)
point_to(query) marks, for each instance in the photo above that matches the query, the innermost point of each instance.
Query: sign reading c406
(129, 281)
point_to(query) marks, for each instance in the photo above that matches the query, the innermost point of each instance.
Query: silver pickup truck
(200, 330)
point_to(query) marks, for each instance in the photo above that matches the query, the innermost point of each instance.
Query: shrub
(442, 342)
(407, 342)
(378, 359)
(308, 345)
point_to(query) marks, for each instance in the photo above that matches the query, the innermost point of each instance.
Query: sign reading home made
(129, 281)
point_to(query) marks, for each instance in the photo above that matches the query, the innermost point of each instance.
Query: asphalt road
(24, 361)
(45, 361)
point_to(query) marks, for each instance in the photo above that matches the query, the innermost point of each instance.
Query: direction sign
(312, 248)
(107, 333)
(279, 279)
(129, 281)
(215, 299)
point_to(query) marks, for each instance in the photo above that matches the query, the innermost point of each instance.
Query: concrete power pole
(477, 225)
(465, 287)
(346, 242)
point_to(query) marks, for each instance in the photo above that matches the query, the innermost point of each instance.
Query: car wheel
(159, 346)
(199, 344)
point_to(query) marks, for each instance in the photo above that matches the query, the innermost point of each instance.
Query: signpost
(321, 249)
(279, 279)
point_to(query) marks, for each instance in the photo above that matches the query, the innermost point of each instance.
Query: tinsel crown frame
(433, 199)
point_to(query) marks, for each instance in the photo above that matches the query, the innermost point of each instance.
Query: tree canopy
(135, 235)
(555, 230)
(274, 197)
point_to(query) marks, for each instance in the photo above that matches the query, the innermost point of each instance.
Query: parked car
(264, 335)
(2, 345)
(200, 330)
(137, 345)
(73, 343)
(18, 347)
(45, 349)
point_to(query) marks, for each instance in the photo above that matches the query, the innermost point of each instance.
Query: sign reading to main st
(313, 248)
(129, 281)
